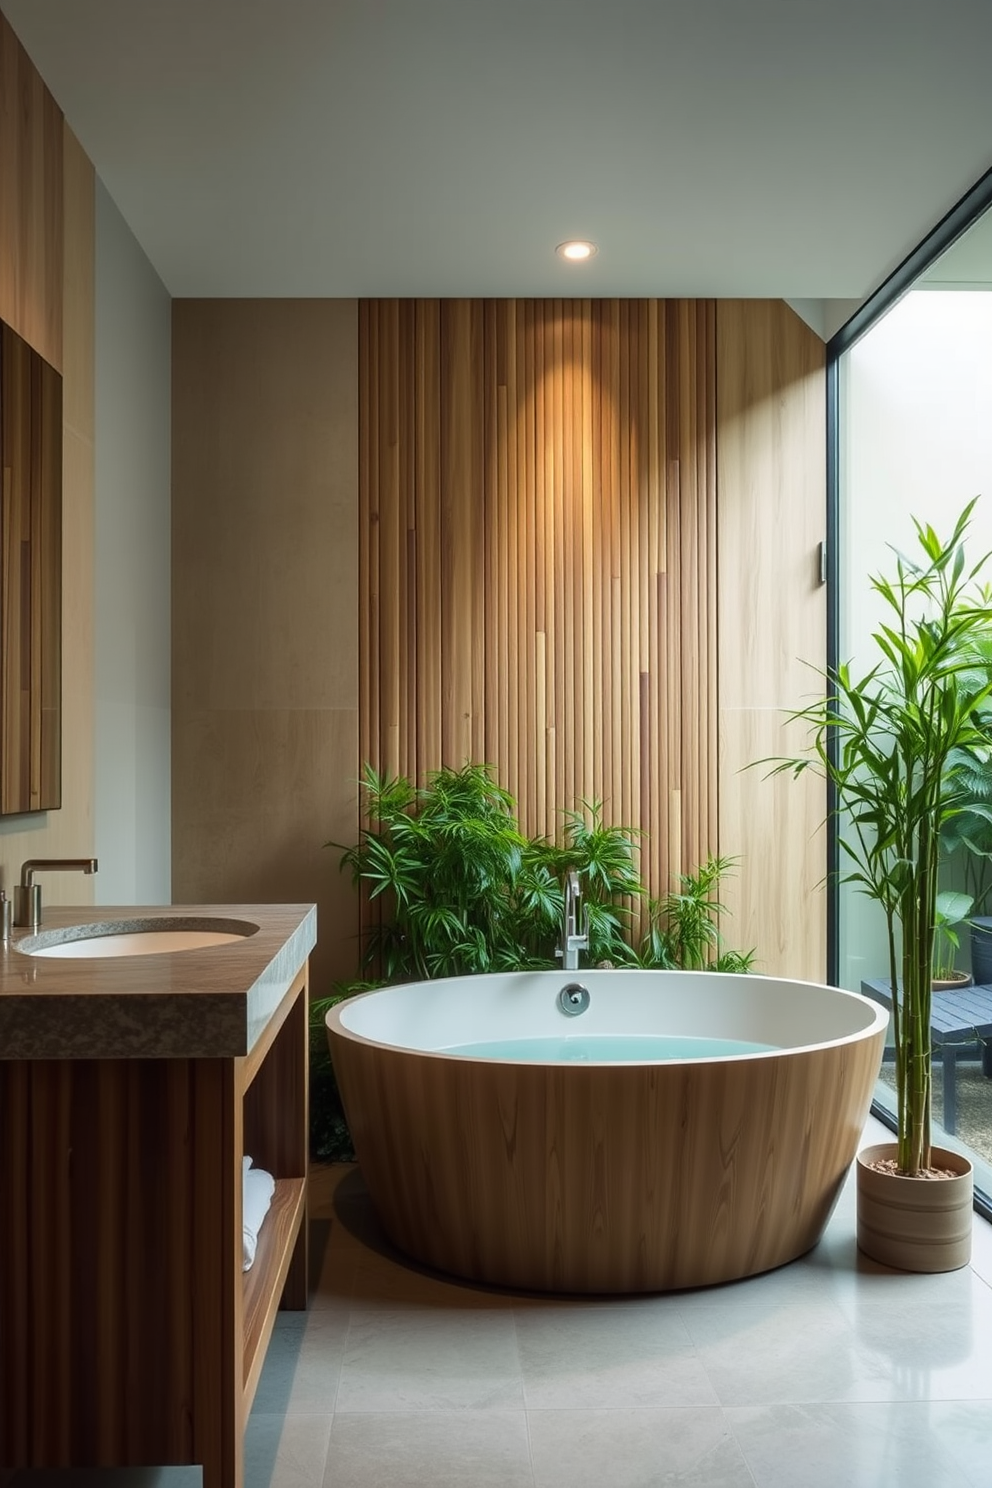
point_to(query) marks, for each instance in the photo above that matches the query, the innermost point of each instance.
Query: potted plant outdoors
(951, 909)
(885, 741)
(967, 837)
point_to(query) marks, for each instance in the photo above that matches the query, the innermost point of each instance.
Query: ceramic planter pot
(915, 1224)
(956, 983)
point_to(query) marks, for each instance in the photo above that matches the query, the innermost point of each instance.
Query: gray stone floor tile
(631, 1448)
(424, 1360)
(935, 1349)
(286, 1451)
(881, 1445)
(608, 1356)
(430, 1449)
(302, 1364)
(803, 1351)
(963, 1430)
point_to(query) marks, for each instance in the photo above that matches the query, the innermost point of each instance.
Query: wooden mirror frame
(30, 579)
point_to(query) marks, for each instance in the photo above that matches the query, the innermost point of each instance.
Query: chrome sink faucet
(27, 894)
(573, 939)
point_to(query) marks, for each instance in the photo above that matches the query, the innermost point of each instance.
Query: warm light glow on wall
(537, 487)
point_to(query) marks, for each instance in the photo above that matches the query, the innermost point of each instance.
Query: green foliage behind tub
(464, 891)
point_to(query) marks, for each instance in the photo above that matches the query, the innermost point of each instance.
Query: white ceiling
(443, 147)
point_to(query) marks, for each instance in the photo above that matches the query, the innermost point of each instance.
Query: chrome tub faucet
(576, 914)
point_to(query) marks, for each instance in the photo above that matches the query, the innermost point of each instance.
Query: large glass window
(914, 420)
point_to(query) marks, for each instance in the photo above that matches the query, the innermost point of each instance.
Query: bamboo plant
(885, 741)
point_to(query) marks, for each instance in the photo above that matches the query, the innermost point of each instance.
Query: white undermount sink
(144, 937)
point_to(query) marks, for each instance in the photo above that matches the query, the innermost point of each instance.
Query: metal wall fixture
(573, 999)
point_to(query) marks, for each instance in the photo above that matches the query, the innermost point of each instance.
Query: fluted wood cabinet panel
(538, 546)
(119, 1314)
(771, 443)
(31, 202)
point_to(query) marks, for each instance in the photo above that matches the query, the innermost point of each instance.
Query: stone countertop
(211, 1002)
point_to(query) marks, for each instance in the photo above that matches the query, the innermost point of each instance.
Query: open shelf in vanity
(129, 1333)
(275, 1135)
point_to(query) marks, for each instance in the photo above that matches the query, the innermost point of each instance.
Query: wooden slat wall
(31, 202)
(538, 549)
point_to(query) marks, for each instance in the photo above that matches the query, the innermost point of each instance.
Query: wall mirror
(30, 579)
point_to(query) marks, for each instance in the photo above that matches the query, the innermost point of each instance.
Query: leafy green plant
(463, 891)
(604, 858)
(951, 909)
(684, 927)
(887, 741)
(460, 891)
(966, 838)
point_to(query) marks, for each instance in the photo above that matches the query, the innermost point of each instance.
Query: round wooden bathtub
(596, 1176)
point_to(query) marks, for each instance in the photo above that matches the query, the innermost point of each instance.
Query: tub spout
(573, 939)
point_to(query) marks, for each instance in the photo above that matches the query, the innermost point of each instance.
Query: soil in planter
(890, 1165)
(956, 983)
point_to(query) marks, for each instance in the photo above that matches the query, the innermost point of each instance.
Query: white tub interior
(438, 1015)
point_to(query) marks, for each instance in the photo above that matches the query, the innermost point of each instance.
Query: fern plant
(683, 929)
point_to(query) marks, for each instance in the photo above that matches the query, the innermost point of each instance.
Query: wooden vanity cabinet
(129, 1334)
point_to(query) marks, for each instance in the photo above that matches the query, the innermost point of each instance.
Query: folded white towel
(258, 1188)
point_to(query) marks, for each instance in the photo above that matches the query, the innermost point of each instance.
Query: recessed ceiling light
(576, 251)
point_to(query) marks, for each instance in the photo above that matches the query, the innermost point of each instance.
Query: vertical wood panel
(30, 578)
(555, 561)
(31, 202)
(771, 458)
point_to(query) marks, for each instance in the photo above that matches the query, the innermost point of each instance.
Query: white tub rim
(874, 1015)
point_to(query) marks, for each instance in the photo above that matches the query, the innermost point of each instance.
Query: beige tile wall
(265, 608)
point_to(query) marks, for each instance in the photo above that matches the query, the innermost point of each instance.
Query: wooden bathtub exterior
(604, 1178)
